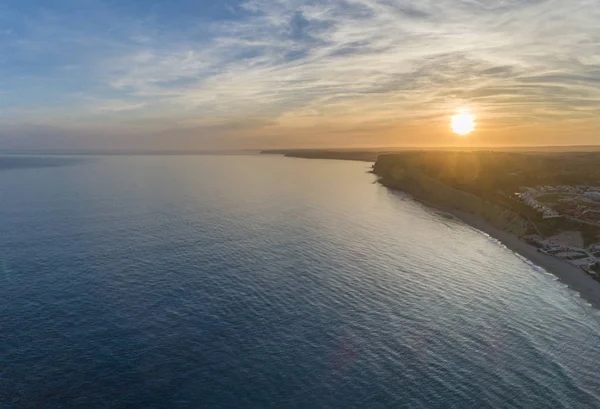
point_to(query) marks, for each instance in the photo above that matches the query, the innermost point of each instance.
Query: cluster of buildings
(567, 189)
(585, 259)
(594, 195)
(579, 203)
(583, 202)
(584, 213)
(529, 198)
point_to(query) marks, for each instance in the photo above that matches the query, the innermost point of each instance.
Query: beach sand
(575, 278)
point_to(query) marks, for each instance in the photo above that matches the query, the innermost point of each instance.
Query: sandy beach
(575, 278)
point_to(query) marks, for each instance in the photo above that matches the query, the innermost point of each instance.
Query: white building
(593, 195)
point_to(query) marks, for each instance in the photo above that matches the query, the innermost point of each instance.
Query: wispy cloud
(119, 106)
(302, 69)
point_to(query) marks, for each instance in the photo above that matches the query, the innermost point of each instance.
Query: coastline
(359, 156)
(575, 278)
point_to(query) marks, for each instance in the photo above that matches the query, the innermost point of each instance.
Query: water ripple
(141, 281)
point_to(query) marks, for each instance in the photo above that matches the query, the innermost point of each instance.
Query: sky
(251, 74)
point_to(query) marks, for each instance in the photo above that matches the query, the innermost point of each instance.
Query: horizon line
(275, 150)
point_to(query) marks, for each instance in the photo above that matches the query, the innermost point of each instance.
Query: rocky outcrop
(393, 173)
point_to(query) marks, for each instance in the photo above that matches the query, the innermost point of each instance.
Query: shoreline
(575, 278)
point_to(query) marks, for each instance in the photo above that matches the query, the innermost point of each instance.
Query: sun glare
(463, 124)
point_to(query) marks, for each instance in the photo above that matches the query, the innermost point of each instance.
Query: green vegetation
(552, 198)
(590, 234)
(505, 172)
(497, 176)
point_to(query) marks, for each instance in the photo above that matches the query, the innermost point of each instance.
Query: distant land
(543, 203)
(364, 154)
(371, 154)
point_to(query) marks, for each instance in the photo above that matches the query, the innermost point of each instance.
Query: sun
(463, 124)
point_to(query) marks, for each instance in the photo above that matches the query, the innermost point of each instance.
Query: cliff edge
(394, 173)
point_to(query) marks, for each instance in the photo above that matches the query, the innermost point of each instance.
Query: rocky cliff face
(396, 175)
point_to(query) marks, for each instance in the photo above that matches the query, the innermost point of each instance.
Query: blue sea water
(268, 282)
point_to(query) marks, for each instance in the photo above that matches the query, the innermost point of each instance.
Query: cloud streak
(309, 72)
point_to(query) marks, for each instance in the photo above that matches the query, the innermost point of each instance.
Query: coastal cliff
(396, 174)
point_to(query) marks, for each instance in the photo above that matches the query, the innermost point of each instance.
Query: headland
(543, 205)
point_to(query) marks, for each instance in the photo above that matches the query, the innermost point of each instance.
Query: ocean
(268, 282)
